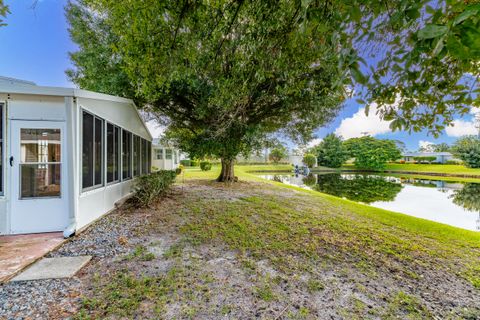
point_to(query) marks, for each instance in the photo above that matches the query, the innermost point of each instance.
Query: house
(164, 157)
(67, 156)
(441, 157)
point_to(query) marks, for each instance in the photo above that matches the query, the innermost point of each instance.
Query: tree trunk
(227, 173)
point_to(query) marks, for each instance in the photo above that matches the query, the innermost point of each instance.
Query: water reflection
(453, 203)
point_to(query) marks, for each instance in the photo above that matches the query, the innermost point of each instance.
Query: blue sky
(35, 46)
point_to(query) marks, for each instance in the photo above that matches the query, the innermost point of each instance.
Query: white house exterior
(164, 157)
(67, 156)
(441, 157)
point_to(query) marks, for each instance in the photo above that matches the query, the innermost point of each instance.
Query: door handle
(11, 161)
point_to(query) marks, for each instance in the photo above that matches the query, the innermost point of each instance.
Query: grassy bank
(427, 168)
(243, 171)
(261, 249)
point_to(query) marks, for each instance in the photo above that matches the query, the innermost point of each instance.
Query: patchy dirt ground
(247, 251)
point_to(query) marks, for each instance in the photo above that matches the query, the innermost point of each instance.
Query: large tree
(371, 153)
(220, 74)
(331, 152)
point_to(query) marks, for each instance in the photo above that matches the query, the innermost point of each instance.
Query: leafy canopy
(3, 12)
(371, 153)
(425, 60)
(331, 152)
(220, 74)
(468, 150)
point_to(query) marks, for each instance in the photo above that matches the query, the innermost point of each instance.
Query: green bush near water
(151, 186)
(205, 165)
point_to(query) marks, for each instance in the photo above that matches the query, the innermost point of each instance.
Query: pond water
(453, 203)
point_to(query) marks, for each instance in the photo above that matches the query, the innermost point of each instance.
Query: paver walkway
(19, 251)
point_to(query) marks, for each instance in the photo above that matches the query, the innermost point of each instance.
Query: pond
(453, 203)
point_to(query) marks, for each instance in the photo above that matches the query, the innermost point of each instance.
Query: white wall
(92, 204)
(165, 164)
(122, 114)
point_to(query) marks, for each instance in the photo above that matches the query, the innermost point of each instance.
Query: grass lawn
(261, 249)
(430, 168)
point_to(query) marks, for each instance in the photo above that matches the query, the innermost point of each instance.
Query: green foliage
(441, 147)
(205, 165)
(277, 154)
(222, 74)
(309, 160)
(468, 197)
(186, 162)
(179, 170)
(194, 163)
(3, 12)
(360, 188)
(468, 150)
(427, 57)
(150, 187)
(331, 152)
(371, 153)
(425, 159)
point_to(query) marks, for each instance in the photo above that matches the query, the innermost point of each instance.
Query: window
(40, 163)
(168, 154)
(175, 157)
(126, 155)
(113, 152)
(149, 148)
(137, 156)
(92, 151)
(118, 154)
(1, 147)
(158, 154)
(144, 156)
(98, 151)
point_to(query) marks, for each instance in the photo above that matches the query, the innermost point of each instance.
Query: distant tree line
(373, 154)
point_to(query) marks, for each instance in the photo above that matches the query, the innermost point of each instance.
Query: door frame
(59, 205)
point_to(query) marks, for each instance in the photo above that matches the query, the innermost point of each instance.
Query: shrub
(468, 150)
(205, 165)
(179, 170)
(194, 163)
(425, 159)
(151, 186)
(310, 160)
(456, 162)
(186, 163)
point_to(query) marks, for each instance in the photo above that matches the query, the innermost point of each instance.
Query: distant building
(164, 157)
(441, 157)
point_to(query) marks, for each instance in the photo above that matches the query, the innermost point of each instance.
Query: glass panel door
(40, 163)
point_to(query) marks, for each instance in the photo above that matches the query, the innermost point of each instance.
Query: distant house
(441, 157)
(164, 157)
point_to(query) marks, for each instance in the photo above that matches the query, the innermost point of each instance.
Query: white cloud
(461, 128)
(360, 124)
(312, 143)
(427, 145)
(155, 129)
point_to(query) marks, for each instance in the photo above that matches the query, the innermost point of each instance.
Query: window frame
(3, 106)
(117, 153)
(102, 166)
(130, 160)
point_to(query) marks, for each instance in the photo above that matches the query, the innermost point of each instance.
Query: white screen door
(38, 176)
